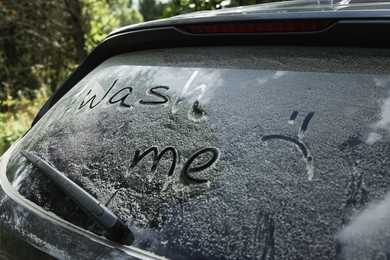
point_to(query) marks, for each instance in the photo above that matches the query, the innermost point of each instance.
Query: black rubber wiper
(101, 215)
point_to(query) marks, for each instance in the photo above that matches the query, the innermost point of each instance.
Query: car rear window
(226, 152)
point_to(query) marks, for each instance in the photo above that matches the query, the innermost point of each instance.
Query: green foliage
(151, 9)
(176, 7)
(126, 15)
(18, 112)
(102, 17)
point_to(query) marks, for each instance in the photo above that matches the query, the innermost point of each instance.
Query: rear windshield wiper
(101, 215)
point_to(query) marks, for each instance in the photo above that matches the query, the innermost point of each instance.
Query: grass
(18, 113)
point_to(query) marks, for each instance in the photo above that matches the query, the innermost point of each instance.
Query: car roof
(297, 9)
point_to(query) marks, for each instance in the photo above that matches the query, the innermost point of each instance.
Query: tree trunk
(77, 28)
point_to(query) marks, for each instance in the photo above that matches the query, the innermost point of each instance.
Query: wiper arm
(101, 215)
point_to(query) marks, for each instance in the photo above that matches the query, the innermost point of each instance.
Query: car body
(256, 132)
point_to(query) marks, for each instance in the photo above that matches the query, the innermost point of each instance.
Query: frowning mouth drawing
(298, 141)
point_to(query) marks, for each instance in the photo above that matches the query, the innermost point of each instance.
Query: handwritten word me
(188, 167)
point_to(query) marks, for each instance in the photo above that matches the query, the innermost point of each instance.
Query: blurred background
(42, 41)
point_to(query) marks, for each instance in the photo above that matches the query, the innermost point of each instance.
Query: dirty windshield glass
(206, 162)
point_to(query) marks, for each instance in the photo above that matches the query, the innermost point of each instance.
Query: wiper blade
(100, 214)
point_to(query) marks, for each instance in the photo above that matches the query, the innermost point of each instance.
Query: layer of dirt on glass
(220, 163)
